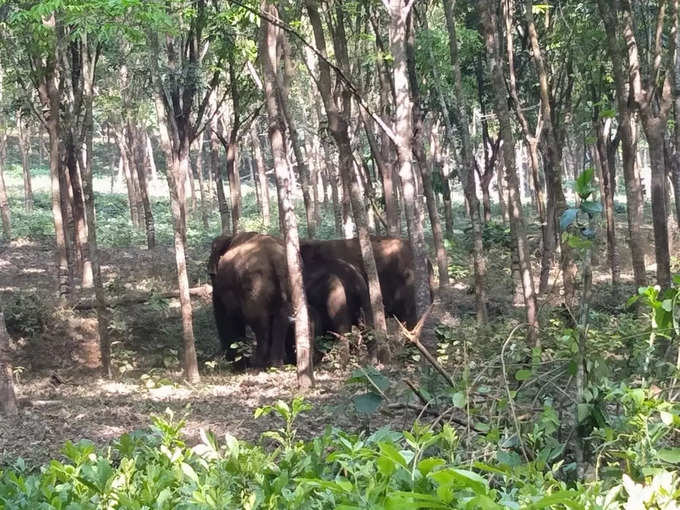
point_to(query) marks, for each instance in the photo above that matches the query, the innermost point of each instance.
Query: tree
(272, 90)
(337, 110)
(177, 59)
(467, 175)
(516, 216)
(8, 401)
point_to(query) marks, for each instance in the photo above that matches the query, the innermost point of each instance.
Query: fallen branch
(414, 337)
(200, 291)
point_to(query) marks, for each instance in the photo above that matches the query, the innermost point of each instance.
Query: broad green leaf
(367, 403)
(566, 498)
(522, 375)
(591, 207)
(670, 455)
(568, 218)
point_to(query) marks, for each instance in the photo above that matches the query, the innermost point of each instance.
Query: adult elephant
(250, 288)
(394, 261)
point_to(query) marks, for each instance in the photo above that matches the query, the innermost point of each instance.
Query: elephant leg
(262, 329)
(279, 334)
(230, 328)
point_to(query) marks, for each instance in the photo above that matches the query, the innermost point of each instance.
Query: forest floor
(63, 398)
(56, 353)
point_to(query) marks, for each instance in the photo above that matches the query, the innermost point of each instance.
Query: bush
(386, 470)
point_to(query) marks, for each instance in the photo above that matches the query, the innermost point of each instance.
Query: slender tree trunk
(467, 173)
(303, 339)
(261, 176)
(217, 173)
(8, 401)
(295, 141)
(25, 148)
(654, 131)
(398, 13)
(49, 98)
(151, 158)
(201, 182)
(606, 167)
(557, 203)
(103, 315)
(4, 202)
(126, 164)
(140, 159)
(177, 159)
(517, 226)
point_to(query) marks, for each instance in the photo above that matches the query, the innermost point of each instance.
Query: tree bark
(517, 226)
(261, 176)
(8, 401)
(201, 181)
(4, 202)
(217, 172)
(24, 133)
(272, 88)
(139, 149)
(48, 91)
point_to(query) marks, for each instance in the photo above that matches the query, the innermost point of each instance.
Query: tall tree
(284, 180)
(467, 175)
(626, 122)
(516, 216)
(8, 401)
(399, 11)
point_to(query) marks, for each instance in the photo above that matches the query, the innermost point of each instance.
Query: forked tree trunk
(338, 127)
(8, 401)
(25, 148)
(631, 172)
(177, 162)
(126, 165)
(49, 98)
(284, 179)
(517, 226)
(553, 169)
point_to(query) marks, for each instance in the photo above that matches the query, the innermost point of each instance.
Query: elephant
(250, 288)
(394, 261)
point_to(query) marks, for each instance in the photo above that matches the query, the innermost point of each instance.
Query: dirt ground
(62, 397)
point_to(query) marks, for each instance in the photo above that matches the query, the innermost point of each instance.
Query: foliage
(385, 470)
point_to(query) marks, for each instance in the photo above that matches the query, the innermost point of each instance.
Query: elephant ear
(220, 245)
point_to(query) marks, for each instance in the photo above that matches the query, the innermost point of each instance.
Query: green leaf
(522, 375)
(583, 412)
(568, 218)
(388, 451)
(566, 498)
(591, 207)
(461, 478)
(458, 399)
(367, 403)
(670, 455)
(426, 466)
(189, 472)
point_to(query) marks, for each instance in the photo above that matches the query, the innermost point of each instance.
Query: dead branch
(413, 336)
(204, 291)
